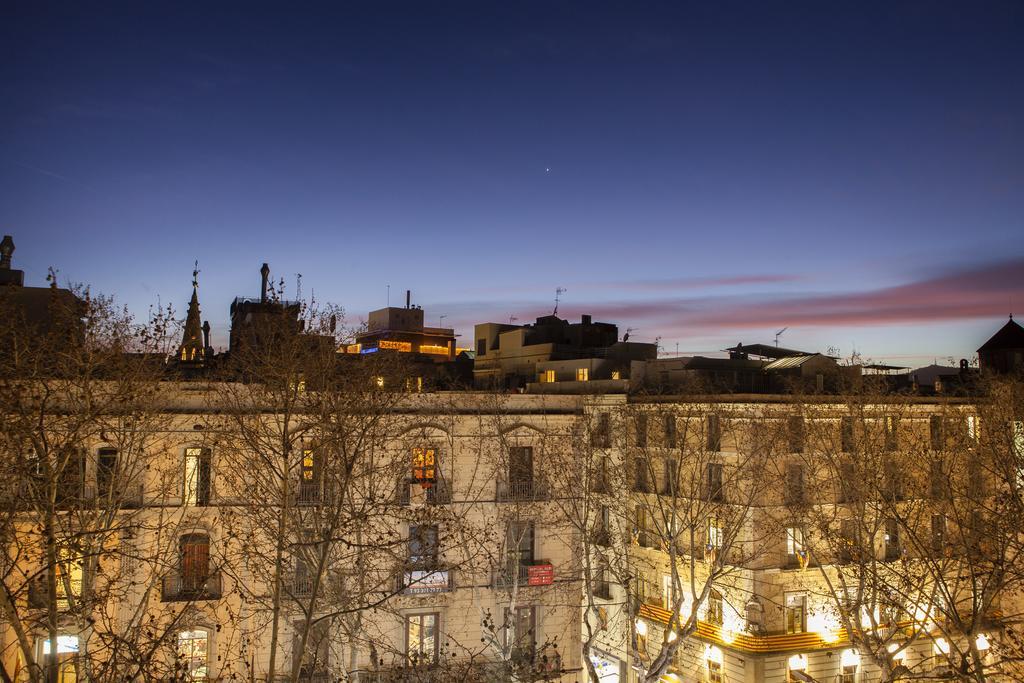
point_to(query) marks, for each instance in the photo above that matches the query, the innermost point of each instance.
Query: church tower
(195, 338)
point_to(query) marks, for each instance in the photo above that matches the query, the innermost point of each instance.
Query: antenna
(440, 321)
(625, 337)
(559, 291)
(512, 319)
(657, 344)
(195, 276)
(779, 334)
(389, 296)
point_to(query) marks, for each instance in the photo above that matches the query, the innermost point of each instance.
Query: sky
(703, 173)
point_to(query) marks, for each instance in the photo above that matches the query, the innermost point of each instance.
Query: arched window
(193, 654)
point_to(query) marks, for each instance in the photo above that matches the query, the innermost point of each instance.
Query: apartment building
(786, 538)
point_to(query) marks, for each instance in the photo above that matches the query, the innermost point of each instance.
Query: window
(892, 540)
(601, 436)
(71, 478)
(938, 481)
(795, 612)
(641, 431)
(642, 482)
(424, 461)
(519, 544)
(106, 469)
(197, 476)
(314, 657)
(795, 484)
(893, 480)
(714, 435)
(714, 534)
(936, 430)
(849, 540)
(547, 376)
(938, 533)
(69, 575)
(714, 610)
(714, 672)
(66, 658)
(423, 545)
(481, 347)
(520, 631)
(520, 464)
(193, 653)
(194, 557)
(671, 476)
(848, 489)
(846, 434)
(582, 374)
(891, 442)
(421, 637)
(669, 422)
(715, 487)
(616, 374)
(796, 553)
(642, 526)
(796, 434)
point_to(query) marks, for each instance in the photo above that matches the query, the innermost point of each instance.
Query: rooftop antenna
(677, 349)
(625, 337)
(512, 319)
(559, 291)
(440, 321)
(389, 296)
(657, 345)
(779, 334)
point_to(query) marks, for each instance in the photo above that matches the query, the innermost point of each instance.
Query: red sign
(540, 574)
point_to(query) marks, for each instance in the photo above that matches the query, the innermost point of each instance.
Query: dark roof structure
(1009, 336)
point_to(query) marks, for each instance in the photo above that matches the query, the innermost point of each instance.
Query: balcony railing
(439, 493)
(421, 580)
(521, 490)
(178, 588)
(71, 496)
(299, 586)
(308, 493)
(537, 573)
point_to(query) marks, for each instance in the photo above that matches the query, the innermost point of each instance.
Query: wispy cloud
(985, 290)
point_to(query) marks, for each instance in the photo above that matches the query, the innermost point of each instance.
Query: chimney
(408, 297)
(6, 250)
(265, 272)
(586, 320)
(206, 334)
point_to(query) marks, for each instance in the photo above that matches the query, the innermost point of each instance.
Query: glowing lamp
(798, 663)
(849, 657)
(641, 628)
(713, 654)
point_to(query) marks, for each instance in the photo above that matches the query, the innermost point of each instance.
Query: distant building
(553, 350)
(37, 315)
(1003, 353)
(402, 330)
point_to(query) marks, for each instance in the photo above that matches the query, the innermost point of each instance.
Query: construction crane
(779, 334)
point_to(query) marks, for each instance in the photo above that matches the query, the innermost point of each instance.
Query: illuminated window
(197, 476)
(582, 374)
(69, 575)
(193, 654)
(796, 552)
(713, 660)
(849, 662)
(434, 348)
(378, 382)
(549, 376)
(796, 612)
(616, 374)
(404, 347)
(424, 470)
(308, 465)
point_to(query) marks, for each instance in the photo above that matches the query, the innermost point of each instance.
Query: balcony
(178, 588)
(299, 586)
(420, 581)
(308, 493)
(645, 538)
(521, 490)
(796, 560)
(439, 493)
(538, 573)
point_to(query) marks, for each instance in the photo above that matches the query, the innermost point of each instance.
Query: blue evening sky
(706, 173)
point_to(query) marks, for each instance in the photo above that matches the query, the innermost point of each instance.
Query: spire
(193, 347)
